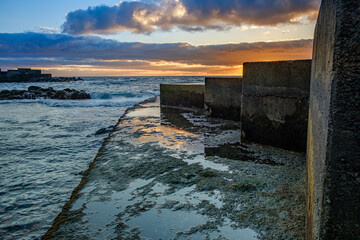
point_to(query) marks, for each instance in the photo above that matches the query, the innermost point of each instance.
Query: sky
(153, 37)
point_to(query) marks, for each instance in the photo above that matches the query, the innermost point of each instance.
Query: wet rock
(64, 79)
(104, 130)
(207, 173)
(152, 174)
(24, 78)
(34, 92)
(243, 186)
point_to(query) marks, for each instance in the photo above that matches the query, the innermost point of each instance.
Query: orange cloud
(188, 15)
(69, 55)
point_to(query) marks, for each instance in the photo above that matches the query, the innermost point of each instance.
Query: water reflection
(174, 174)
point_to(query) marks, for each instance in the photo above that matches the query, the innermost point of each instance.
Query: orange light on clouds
(231, 64)
(163, 69)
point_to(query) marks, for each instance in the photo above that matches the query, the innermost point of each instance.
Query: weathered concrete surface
(182, 95)
(223, 97)
(274, 108)
(333, 153)
(152, 179)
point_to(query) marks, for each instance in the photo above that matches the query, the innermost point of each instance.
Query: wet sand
(168, 173)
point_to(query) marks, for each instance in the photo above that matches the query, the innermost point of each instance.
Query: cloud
(49, 29)
(38, 49)
(188, 15)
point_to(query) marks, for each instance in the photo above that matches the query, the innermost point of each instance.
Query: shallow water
(153, 179)
(46, 145)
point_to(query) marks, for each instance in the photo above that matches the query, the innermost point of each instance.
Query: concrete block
(333, 152)
(182, 95)
(223, 97)
(274, 108)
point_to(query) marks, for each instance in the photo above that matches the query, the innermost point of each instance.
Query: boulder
(34, 92)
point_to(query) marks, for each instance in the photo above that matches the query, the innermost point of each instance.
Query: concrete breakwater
(275, 103)
(222, 97)
(174, 173)
(333, 151)
(156, 159)
(276, 98)
(271, 101)
(183, 95)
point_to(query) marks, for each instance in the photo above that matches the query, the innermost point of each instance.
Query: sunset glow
(151, 38)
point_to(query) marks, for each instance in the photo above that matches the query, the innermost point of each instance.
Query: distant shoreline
(32, 75)
(51, 79)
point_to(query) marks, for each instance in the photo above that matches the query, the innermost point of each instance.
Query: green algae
(245, 186)
(159, 178)
(206, 173)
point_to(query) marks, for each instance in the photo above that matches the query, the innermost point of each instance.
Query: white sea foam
(46, 144)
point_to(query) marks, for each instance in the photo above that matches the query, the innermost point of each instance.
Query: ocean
(46, 145)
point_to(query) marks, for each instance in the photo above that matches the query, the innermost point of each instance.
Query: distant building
(2, 76)
(22, 75)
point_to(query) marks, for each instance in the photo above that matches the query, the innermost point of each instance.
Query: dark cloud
(188, 15)
(65, 49)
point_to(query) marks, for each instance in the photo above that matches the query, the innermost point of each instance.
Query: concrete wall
(333, 153)
(274, 108)
(223, 97)
(182, 95)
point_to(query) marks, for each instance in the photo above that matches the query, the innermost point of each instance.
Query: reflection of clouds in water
(171, 137)
(206, 163)
(153, 181)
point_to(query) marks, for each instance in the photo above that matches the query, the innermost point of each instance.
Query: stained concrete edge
(223, 97)
(333, 207)
(182, 95)
(274, 107)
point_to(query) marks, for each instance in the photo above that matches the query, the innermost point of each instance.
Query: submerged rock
(34, 92)
(152, 179)
(59, 79)
(104, 130)
(41, 79)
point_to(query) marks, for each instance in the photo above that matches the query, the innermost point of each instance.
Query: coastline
(74, 195)
(38, 179)
(274, 175)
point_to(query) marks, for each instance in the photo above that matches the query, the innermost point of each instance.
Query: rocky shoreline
(34, 92)
(44, 79)
(56, 79)
(153, 171)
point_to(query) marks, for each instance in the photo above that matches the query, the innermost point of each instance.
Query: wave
(100, 102)
(92, 102)
(112, 96)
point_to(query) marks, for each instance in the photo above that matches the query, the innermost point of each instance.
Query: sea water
(47, 144)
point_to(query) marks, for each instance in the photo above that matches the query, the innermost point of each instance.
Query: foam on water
(46, 145)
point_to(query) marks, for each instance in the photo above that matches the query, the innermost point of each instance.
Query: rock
(34, 88)
(104, 130)
(63, 79)
(34, 92)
